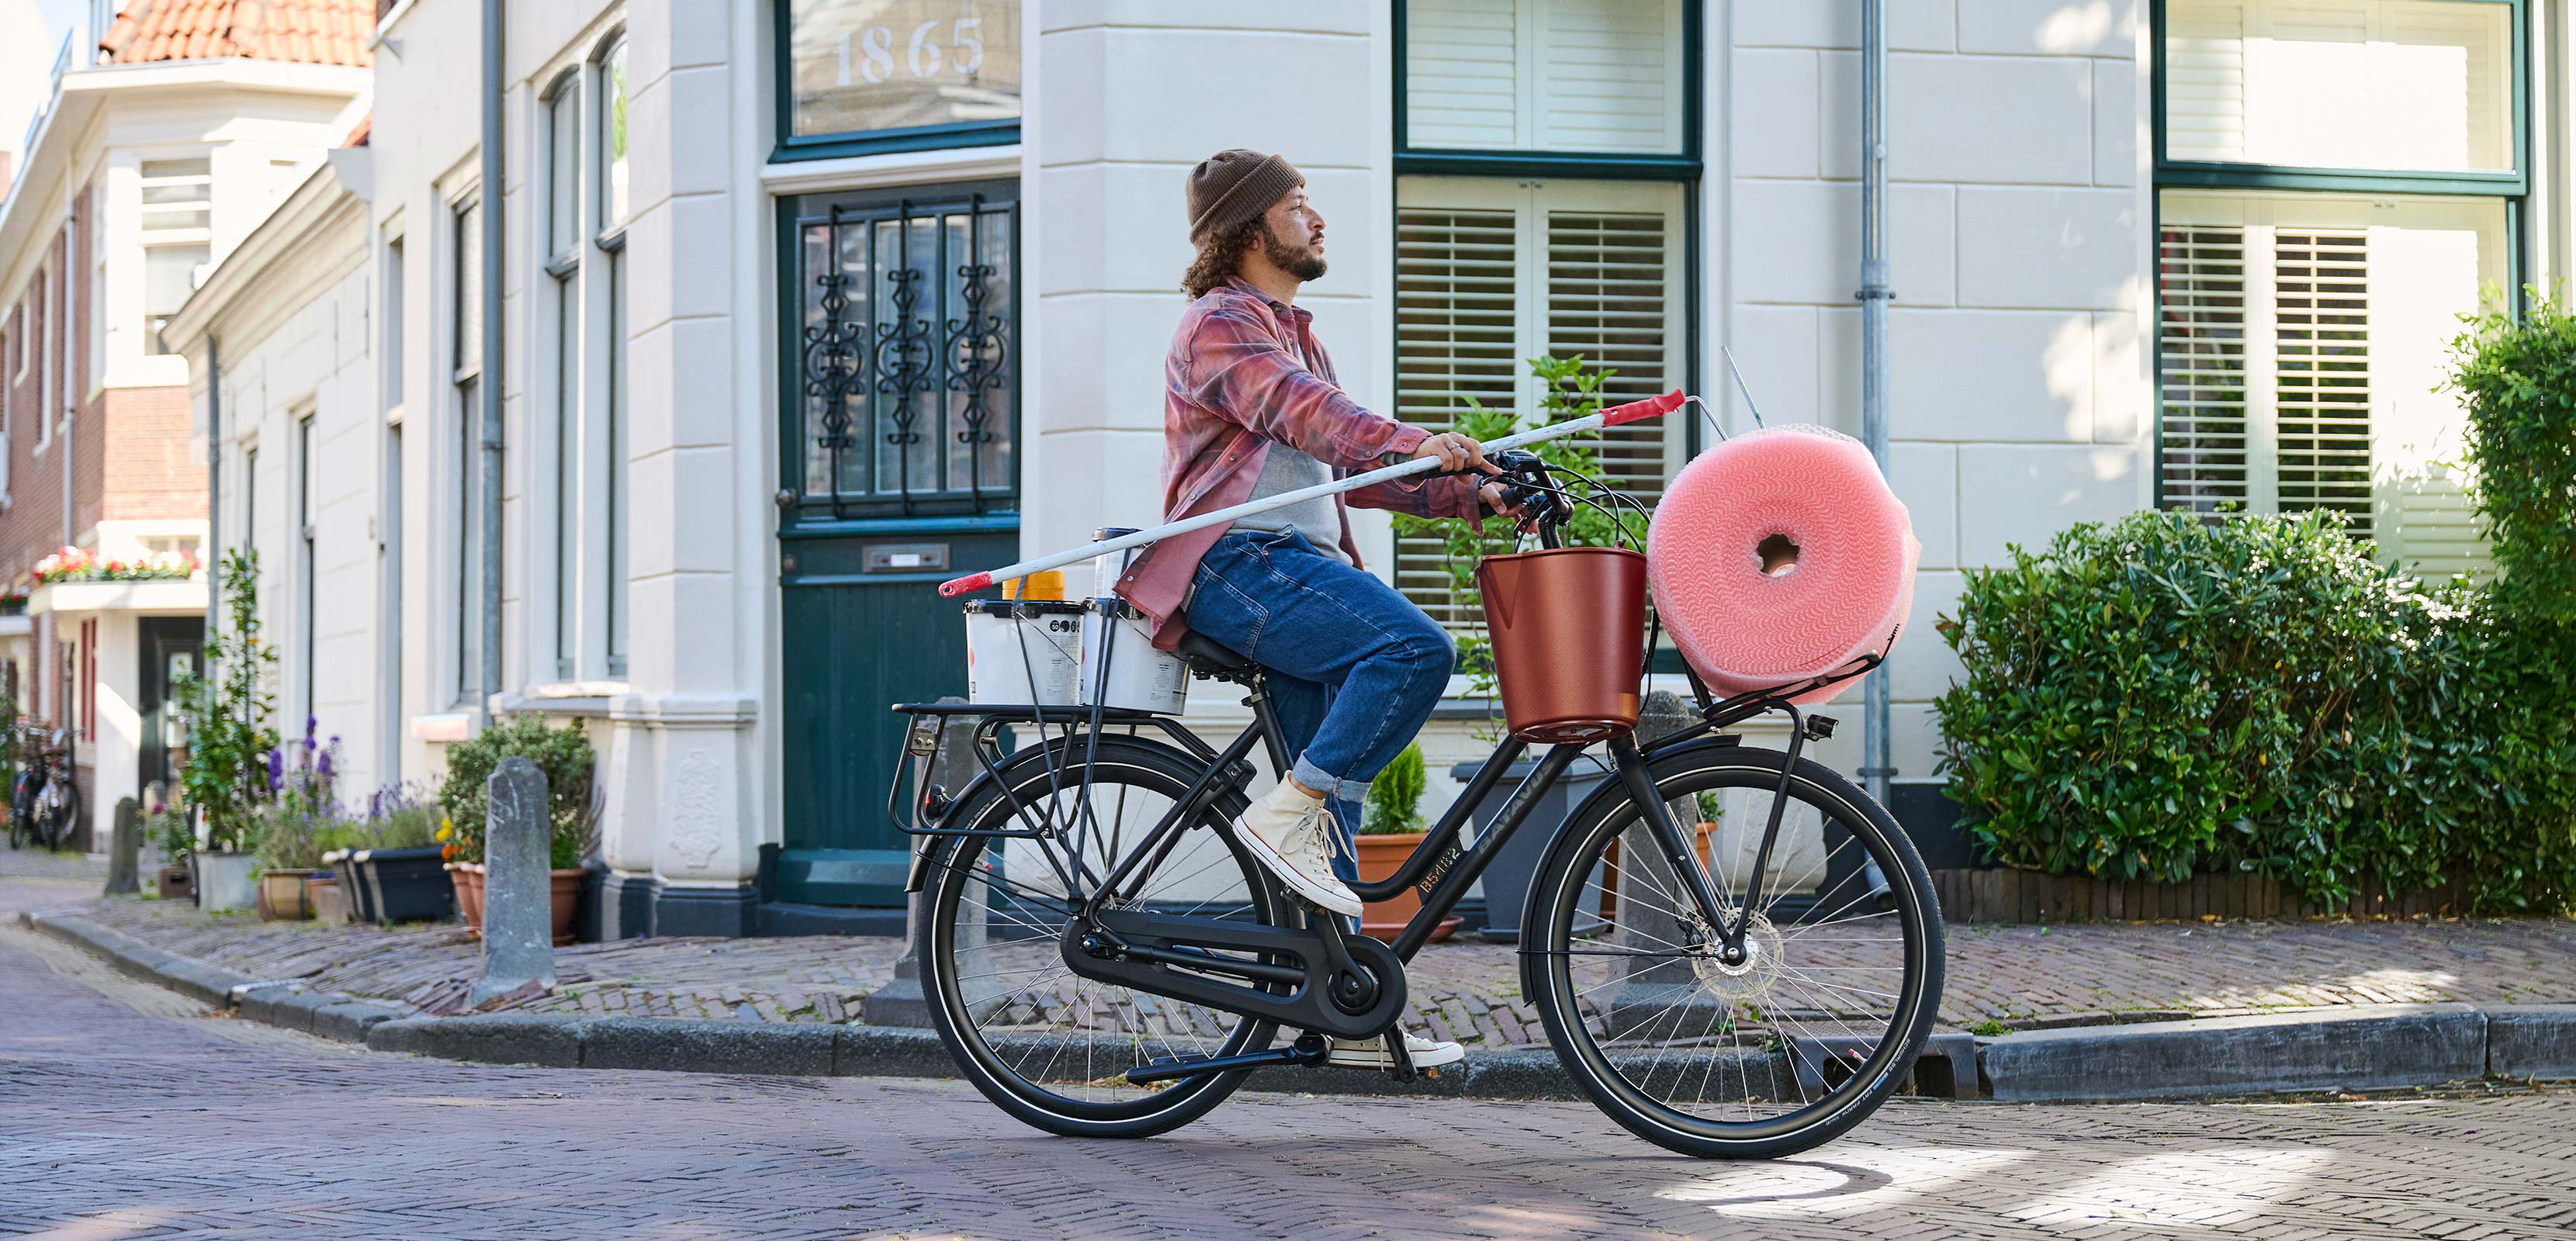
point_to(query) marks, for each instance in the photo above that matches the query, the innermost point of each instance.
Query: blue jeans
(1352, 667)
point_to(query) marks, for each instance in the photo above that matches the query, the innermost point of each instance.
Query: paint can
(1023, 652)
(1121, 668)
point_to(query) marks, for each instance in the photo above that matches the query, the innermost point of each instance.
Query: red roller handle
(1639, 411)
(958, 586)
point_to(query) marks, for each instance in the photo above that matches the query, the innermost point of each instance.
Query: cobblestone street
(124, 1112)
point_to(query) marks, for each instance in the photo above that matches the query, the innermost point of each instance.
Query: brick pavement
(119, 1118)
(2022, 976)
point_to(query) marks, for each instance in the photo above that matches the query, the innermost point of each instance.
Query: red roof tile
(323, 32)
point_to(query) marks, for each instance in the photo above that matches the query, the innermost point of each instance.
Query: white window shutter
(2205, 79)
(2412, 84)
(1609, 74)
(1459, 332)
(1544, 75)
(2321, 299)
(2201, 326)
(1491, 273)
(1462, 74)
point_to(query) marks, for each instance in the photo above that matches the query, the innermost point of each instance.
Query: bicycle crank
(1319, 980)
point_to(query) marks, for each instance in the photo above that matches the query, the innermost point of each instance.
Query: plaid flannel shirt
(1232, 386)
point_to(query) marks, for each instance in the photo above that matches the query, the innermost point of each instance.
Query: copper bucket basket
(1569, 640)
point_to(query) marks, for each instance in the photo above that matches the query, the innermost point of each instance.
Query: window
(610, 547)
(1491, 273)
(394, 343)
(308, 615)
(1550, 147)
(612, 137)
(2336, 184)
(178, 195)
(390, 617)
(2392, 84)
(918, 289)
(465, 315)
(250, 499)
(897, 75)
(169, 276)
(564, 245)
(1545, 75)
(43, 332)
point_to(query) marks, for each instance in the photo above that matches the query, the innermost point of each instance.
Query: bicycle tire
(957, 867)
(1849, 1086)
(62, 814)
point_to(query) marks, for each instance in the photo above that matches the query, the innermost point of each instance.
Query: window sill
(444, 726)
(589, 699)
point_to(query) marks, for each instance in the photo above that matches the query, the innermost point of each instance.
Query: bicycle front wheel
(1761, 1053)
(1048, 1045)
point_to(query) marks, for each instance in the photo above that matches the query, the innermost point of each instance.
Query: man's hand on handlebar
(1498, 497)
(1457, 454)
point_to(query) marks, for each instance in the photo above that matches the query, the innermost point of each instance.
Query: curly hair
(1220, 256)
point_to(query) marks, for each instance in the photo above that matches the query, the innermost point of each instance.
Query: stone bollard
(518, 892)
(1662, 993)
(125, 849)
(902, 1002)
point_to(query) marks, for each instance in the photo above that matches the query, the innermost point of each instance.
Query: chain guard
(1129, 935)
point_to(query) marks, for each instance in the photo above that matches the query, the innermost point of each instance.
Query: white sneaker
(1293, 835)
(1370, 1053)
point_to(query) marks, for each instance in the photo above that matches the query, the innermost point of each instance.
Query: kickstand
(1399, 1063)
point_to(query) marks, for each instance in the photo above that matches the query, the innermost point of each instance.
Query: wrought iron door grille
(907, 371)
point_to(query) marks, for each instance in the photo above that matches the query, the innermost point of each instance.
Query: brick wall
(148, 476)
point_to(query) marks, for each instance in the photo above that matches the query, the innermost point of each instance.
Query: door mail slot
(906, 558)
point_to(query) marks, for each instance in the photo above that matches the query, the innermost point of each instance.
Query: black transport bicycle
(1734, 951)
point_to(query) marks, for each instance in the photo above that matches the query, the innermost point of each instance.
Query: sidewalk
(2021, 977)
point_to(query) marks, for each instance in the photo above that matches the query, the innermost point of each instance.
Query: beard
(1298, 261)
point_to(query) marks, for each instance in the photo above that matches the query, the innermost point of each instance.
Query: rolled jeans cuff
(1332, 786)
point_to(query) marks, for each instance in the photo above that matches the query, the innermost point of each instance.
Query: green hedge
(2171, 694)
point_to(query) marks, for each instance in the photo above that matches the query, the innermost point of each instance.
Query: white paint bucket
(1023, 652)
(1139, 678)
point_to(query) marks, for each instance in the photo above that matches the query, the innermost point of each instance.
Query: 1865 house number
(870, 53)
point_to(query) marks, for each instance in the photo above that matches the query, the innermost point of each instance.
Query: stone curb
(2362, 1047)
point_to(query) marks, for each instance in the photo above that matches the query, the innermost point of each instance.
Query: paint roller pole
(1874, 297)
(1616, 415)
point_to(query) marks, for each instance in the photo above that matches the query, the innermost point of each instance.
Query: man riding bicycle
(1251, 409)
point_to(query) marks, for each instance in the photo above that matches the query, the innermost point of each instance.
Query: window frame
(2231, 174)
(791, 146)
(1583, 165)
(465, 382)
(2512, 188)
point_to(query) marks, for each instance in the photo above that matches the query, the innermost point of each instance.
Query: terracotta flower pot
(1379, 858)
(565, 888)
(469, 894)
(176, 883)
(328, 900)
(281, 895)
(567, 898)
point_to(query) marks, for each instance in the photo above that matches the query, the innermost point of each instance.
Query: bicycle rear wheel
(1045, 1044)
(1761, 1057)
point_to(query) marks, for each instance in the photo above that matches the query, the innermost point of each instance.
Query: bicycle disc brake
(1355, 993)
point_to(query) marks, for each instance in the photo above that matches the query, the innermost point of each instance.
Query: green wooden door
(899, 470)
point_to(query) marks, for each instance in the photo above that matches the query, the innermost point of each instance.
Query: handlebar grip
(1639, 411)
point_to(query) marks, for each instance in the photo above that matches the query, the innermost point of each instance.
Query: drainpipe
(214, 482)
(490, 533)
(1874, 297)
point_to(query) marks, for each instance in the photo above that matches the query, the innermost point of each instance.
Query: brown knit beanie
(1230, 187)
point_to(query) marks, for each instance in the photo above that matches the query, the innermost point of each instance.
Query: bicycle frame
(1225, 770)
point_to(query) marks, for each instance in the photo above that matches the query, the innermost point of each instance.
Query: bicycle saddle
(1208, 658)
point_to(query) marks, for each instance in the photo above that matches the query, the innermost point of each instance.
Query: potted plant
(392, 867)
(565, 756)
(229, 738)
(1568, 390)
(1390, 830)
(300, 811)
(176, 834)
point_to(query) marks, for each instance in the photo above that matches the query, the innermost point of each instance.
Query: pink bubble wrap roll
(1841, 550)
